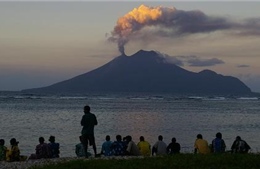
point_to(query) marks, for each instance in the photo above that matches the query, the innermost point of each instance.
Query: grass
(181, 161)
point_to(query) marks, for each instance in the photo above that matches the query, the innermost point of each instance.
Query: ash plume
(172, 22)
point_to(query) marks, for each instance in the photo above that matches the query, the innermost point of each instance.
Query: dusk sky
(45, 42)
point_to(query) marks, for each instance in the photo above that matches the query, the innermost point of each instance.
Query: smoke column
(172, 22)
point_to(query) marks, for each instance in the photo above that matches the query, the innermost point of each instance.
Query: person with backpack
(240, 146)
(218, 144)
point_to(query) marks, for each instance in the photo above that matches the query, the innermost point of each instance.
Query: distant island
(147, 71)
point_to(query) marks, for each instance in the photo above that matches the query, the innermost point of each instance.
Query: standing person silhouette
(88, 122)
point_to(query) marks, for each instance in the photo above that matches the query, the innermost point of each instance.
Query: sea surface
(28, 117)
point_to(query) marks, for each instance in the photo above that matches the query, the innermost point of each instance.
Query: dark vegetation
(181, 161)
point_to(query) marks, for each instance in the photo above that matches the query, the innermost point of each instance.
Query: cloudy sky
(44, 42)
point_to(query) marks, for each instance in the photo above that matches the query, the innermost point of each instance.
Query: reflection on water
(29, 118)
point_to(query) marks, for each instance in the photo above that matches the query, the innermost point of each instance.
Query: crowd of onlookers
(122, 147)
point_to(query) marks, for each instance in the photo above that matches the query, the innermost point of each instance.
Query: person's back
(107, 147)
(160, 147)
(132, 148)
(240, 146)
(144, 147)
(13, 154)
(88, 122)
(173, 147)
(43, 150)
(55, 147)
(80, 150)
(218, 144)
(118, 146)
(201, 146)
(2, 150)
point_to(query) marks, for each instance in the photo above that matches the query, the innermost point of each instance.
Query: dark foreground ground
(181, 161)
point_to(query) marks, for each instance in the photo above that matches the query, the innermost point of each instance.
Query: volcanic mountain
(146, 71)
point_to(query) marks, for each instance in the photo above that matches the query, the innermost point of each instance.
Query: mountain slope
(146, 71)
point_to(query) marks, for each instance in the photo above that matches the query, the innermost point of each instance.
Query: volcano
(146, 71)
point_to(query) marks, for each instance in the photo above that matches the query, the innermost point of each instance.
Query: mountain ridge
(147, 71)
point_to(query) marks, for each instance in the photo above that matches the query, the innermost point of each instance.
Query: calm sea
(28, 117)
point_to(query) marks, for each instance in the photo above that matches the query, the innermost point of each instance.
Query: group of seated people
(43, 150)
(218, 145)
(126, 146)
(122, 147)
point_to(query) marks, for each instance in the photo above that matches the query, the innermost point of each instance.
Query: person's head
(219, 135)
(141, 138)
(199, 136)
(13, 142)
(238, 138)
(107, 138)
(2, 142)
(160, 137)
(118, 138)
(41, 140)
(52, 139)
(173, 140)
(86, 109)
(128, 138)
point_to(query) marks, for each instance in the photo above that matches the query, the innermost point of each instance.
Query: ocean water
(28, 117)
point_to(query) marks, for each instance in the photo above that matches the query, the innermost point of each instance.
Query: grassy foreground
(182, 161)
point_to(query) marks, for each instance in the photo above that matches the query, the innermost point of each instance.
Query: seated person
(240, 146)
(13, 154)
(118, 146)
(55, 147)
(218, 144)
(160, 147)
(144, 147)
(132, 148)
(173, 147)
(201, 146)
(107, 147)
(2, 150)
(80, 150)
(43, 150)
